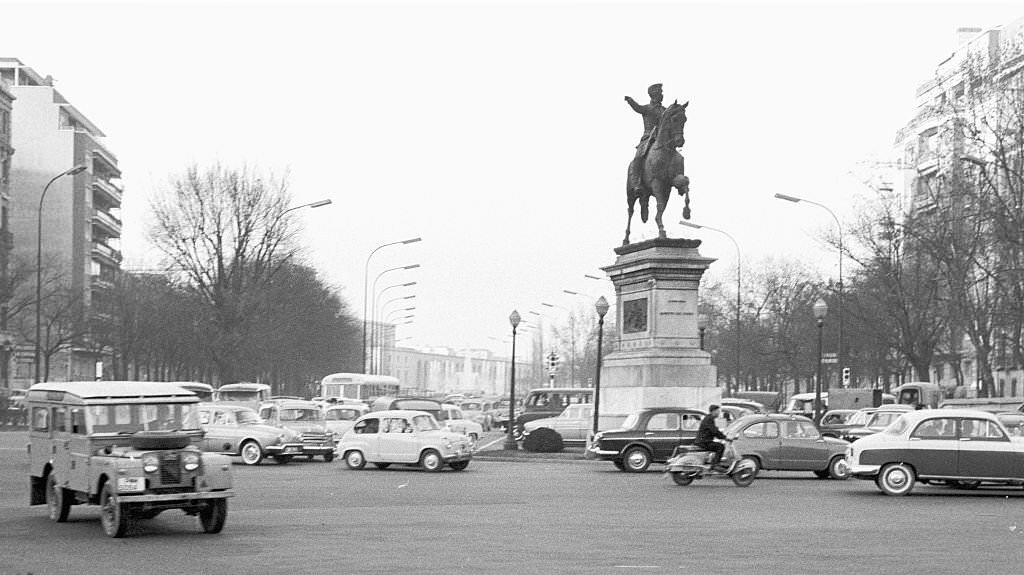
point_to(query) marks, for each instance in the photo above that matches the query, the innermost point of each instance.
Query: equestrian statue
(657, 166)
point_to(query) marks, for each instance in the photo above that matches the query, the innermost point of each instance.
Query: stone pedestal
(657, 359)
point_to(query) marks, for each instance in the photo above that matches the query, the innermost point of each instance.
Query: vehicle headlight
(191, 461)
(150, 463)
(448, 445)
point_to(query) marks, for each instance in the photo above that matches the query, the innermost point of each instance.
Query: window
(59, 417)
(981, 430)
(690, 421)
(663, 422)
(367, 425)
(396, 425)
(77, 422)
(938, 428)
(763, 430)
(40, 419)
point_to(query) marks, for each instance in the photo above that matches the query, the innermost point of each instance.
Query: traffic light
(846, 377)
(552, 362)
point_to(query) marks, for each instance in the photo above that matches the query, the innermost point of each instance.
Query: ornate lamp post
(820, 311)
(39, 267)
(510, 439)
(602, 308)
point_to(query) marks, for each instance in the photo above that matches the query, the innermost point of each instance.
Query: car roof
(915, 416)
(291, 403)
(395, 413)
(114, 389)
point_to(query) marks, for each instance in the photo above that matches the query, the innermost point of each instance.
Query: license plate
(126, 484)
(292, 450)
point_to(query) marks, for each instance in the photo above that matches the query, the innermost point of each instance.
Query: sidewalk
(495, 451)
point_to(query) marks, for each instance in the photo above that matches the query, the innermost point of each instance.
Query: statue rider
(652, 115)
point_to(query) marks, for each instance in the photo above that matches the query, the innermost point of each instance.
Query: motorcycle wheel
(682, 478)
(743, 476)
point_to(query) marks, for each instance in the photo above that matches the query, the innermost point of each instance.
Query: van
(550, 402)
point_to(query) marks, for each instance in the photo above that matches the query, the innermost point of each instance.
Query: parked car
(1013, 421)
(128, 447)
(646, 436)
(338, 418)
(834, 422)
(574, 424)
(876, 420)
(237, 430)
(750, 404)
(406, 437)
(788, 443)
(549, 402)
(478, 410)
(453, 419)
(959, 447)
(307, 420)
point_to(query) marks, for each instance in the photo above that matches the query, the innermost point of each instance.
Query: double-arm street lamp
(839, 227)
(510, 439)
(366, 285)
(601, 306)
(739, 287)
(316, 204)
(39, 266)
(375, 307)
(374, 328)
(820, 311)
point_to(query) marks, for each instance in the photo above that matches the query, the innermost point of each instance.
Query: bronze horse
(662, 169)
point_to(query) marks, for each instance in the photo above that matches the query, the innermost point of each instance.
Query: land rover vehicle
(129, 447)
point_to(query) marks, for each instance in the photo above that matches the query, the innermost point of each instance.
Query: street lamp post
(39, 266)
(820, 311)
(316, 204)
(602, 308)
(366, 282)
(739, 285)
(374, 329)
(510, 439)
(377, 298)
(572, 341)
(840, 351)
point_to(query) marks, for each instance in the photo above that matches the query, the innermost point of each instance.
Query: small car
(877, 419)
(406, 437)
(835, 421)
(237, 430)
(648, 435)
(339, 418)
(307, 420)
(574, 424)
(549, 402)
(478, 410)
(128, 447)
(781, 442)
(452, 418)
(958, 447)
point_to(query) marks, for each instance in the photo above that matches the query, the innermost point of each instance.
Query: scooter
(689, 462)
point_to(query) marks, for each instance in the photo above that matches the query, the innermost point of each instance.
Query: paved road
(527, 517)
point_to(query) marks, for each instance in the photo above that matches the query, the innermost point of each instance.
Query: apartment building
(79, 218)
(981, 75)
(7, 339)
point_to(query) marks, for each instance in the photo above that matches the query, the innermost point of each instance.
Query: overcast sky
(497, 131)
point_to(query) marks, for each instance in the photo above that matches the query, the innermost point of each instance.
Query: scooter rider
(708, 432)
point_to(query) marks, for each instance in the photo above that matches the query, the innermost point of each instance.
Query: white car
(404, 436)
(452, 418)
(573, 424)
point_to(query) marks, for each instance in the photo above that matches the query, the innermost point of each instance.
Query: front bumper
(864, 471)
(299, 449)
(184, 499)
(595, 452)
(458, 456)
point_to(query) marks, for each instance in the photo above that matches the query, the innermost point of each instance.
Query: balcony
(101, 281)
(110, 225)
(107, 163)
(109, 193)
(106, 254)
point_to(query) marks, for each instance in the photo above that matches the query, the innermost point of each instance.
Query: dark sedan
(646, 436)
(788, 443)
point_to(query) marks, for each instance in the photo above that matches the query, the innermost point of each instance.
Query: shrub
(543, 440)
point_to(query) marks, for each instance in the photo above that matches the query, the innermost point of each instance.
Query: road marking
(483, 447)
(637, 566)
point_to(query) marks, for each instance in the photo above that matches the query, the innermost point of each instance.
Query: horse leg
(661, 191)
(630, 201)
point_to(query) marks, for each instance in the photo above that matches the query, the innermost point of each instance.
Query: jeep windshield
(128, 418)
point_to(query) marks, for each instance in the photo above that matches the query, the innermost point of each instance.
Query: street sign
(829, 359)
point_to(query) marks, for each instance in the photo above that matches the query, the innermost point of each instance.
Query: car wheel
(636, 460)
(213, 515)
(355, 460)
(114, 517)
(328, 457)
(896, 479)
(58, 500)
(431, 461)
(838, 468)
(252, 453)
(382, 465)
(458, 465)
(682, 478)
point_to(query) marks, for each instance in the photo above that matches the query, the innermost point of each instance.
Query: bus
(246, 394)
(358, 386)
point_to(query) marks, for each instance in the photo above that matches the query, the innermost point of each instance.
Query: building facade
(7, 339)
(941, 148)
(443, 370)
(80, 222)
